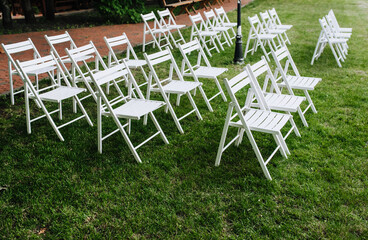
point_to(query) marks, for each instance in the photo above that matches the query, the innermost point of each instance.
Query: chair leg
(99, 125)
(309, 99)
(224, 134)
(194, 106)
(335, 55)
(154, 120)
(279, 144)
(302, 117)
(205, 98)
(28, 115)
(220, 89)
(283, 143)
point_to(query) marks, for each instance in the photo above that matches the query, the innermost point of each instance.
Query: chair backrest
(331, 14)
(79, 54)
(195, 19)
(222, 16)
(267, 22)
(188, 49)
(256, 25)
(149, 17)
(326, 28)
(122, 42)
(331, 23)
(211, 19)
(16, 48)
(166, 19)
(162, 57)
(275, 18)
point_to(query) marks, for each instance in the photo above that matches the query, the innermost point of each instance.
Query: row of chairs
(215, 28)
(257, 109)
(270, 32)
(70, 81)
(333, 35)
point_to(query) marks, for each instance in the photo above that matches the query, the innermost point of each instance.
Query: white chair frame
(167, 21)
(276, 20)
(260, 38)
(203, 33)
(199, 70)
(156, 31)
(213, 24)
(270, 28)
(169, 86)
(260, 120)
(56, 92)
(15, 48)
(125, 107)
(224, 20)
(336, 23)
(290, 82)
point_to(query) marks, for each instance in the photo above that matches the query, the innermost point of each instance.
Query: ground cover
(53, 189)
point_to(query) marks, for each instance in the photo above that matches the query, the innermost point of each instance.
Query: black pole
(238, 56)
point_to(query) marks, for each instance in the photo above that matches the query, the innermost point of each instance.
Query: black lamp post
(238, 56)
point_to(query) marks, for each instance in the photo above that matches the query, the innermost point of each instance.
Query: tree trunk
(5, 8)
(28, 12)
(50, 9)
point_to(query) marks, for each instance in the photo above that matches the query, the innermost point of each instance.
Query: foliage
(67, 190)
(121, 11)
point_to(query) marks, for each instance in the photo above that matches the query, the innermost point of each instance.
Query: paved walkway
(82, 36)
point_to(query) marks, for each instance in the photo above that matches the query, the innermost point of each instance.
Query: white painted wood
(167, 21)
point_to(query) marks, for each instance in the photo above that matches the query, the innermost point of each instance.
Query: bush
(121, 11)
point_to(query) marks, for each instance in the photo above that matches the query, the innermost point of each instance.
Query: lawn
(67, 190)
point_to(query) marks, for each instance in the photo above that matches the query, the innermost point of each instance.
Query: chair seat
(160, 30)
(287, 27)
(267, 36)
(60, 93)
(66, 59)
(40, 70)
(132, 63)
(343, 35)
(283, 102)
(277, 31)
(229, 24)
(221, 29)
(264, 121)
(346, 30)
(181, 87)
(209, 72)
(337, 40)
(208, 33)
(303, 83)
(136, 108)
(171, 27)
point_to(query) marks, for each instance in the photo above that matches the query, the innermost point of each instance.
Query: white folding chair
(276, 20)
(336, 44)
(123, 106)
(56, 92)
(79, 53)
(337, 34)
(283, 60)
(272, 94)
(20, 48)
(157, 32)
(61, 42)
(203, 33)
(213, 24)
(270, 28)
(224, 20)
(260, 38)
(122, 43)
(249, 119)
(201, 69)
(336, 23)
(168, 85)
(168, 22)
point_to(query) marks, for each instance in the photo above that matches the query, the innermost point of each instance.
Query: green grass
(63, 190)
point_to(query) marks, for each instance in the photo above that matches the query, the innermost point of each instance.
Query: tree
(5, 8)
(28, 12)
(50, 9)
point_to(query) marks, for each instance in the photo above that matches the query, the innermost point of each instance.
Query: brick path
(82, 36)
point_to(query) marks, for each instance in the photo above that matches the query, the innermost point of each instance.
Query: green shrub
(121, 11)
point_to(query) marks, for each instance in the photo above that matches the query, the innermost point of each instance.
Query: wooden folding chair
(214, 25)
(167, 21)
(157, 32)
(17, 49)
(246, 120)
(283, 60)
(270, 28)
(224, 20)
(201, 69)
(203, 33)
(260, 38)
(336, 23)
(327, 37)
(272, 94)
(122, 43)
(168, 85)
(56, 92)
(123, 106)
